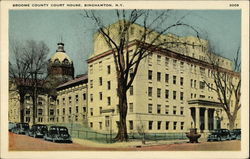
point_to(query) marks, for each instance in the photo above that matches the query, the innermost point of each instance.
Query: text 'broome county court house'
(168, 94)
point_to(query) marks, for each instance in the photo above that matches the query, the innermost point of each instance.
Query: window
(150, 91)
(131, 107)
(158, 59)
(84, 109)
(181, 95)
(91, 124)
(150, 107)
(100, 110)
(150, 58)
(131, 72)
(57, 102)
(107, 121)
(202, 85)
(158, 109)
(174, 79)
(166, 78)
(202, 71)
(167, 125)
(182, 64)
(191, 95)
(109, 100)
(108, 69)
(70, 110)
(91, 83)
(150, 125)
(182, 125)
(166, 93)
(159, 125)
(174, 63)
(100, 65)
(27, 111)
(91, 112)
(131, 126)
(63, 111)
(131, 90)
(84, 96)
(166, 61)
(91, 69)
(194, 83)
(109, 85)
(40, 112)
(174, 110)
(100, 125)
(70, 101)
(100, 81)
(175, 125)
(100, 95)
(158, 76)
(174, 94)
(150, 74)
(58, 112)
(167, 109)
(181, 81)
(76, 118)
(158, 92)
(182, 111)
(191, 83)
(77, 109)
(91, 97)
(202, 96)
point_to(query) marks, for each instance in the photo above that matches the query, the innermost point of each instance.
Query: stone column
(215, 119)
(206, 119)
(197, 118)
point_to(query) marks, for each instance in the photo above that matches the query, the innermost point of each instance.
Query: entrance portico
(204, 115)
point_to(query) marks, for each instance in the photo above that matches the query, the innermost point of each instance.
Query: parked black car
(235, 134)
(11, 126)
(21, 128)
(58, 134)
(219, 135)
(38, 130)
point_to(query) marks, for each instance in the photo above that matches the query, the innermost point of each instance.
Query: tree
(120, 36)
(227, 84)
(28, 71)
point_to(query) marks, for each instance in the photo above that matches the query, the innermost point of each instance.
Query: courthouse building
(168, 93)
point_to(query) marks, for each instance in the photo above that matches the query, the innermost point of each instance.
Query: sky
(50, 26)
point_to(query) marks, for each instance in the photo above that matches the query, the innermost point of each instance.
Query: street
(26, 143)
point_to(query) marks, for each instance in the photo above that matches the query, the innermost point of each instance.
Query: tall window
(167, 109)
(131, 107)
(202, 85)
(108, 69)
(158, 59)
(174, 110)
(84, 96)
(109, 85)
(70, 101)
(191, 83)
(181, 95)
(158, 76)
(76, 98)
(167, 125)
(166, 93)
(131, 125)
(158, 109)
(91, 97)
(182, 111)
(181, 81)
(150, 74)
(91, 69)
(150, 91)
(91, 83)
(100, 95)
(76, 109)
(182, 125)
(174, 94)
(150, 107)
(174, 63)
(70, 110)
(131, 91)
(174, 79)
(159, 125)
(150, 125)
(166, 78)
(109, 100)
(131, 72)
(100, 81)
(166, 61)
(194, 83)
(175, 125)
(91, 112)
(63, 111)
(158, 92)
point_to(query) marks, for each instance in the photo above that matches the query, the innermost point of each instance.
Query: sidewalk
(126, 144)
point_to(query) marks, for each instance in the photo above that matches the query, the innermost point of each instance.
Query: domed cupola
(60, 65)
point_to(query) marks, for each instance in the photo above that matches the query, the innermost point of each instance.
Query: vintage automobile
(21, 128)
(219, 135)
(58, 134)
(11, 126)
(235, 134)
(38, 130)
